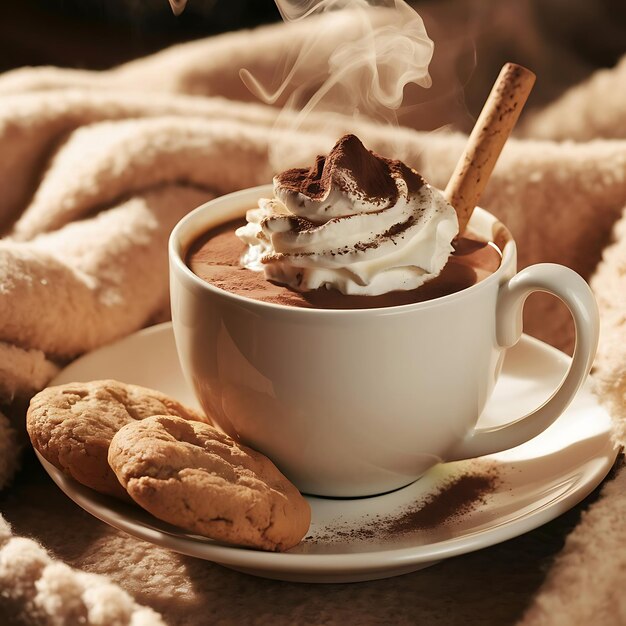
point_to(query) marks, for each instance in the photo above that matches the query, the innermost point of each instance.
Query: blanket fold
(99, 167)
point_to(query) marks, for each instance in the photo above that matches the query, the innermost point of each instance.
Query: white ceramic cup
(359, 402)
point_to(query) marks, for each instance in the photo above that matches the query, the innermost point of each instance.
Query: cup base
(351, 496)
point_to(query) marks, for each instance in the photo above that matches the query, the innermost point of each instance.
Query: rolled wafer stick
(492, 129)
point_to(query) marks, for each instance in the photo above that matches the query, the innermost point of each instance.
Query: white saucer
(537, 481)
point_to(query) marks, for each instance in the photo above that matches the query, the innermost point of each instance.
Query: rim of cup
(238, 202)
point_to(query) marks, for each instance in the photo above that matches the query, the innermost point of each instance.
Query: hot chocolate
(216, 256)
(355, 230)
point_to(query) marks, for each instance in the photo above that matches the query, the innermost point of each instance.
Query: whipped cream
(354, 221)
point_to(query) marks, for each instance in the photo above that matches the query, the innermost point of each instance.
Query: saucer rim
(356, 563)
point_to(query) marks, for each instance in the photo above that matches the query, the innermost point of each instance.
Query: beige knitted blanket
(96, 168)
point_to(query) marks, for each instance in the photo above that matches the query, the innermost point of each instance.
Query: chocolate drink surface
(215, 257)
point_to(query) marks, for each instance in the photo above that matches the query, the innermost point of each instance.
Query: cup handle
(567, 285)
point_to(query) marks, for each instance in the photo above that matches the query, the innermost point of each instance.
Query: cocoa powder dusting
(453, 500)
(370, 176)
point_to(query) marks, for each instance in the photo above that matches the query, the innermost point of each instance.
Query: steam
(380, 47)
(178, 6)
(373, 50)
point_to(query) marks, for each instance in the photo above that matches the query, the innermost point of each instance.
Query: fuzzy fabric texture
(98, 169)
(42, 590)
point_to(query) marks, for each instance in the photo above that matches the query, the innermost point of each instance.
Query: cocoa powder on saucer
(451, 501)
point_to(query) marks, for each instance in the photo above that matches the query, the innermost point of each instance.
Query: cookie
(72, 425)
(193, 476)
